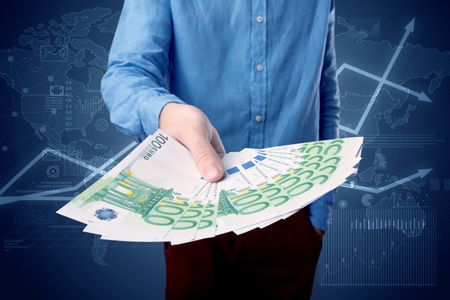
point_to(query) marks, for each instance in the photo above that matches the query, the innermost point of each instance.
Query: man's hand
(191, 127)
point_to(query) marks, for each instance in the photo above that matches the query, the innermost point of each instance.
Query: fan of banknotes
(156, 193)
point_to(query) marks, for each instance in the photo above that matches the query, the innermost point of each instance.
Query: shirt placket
(258, 84)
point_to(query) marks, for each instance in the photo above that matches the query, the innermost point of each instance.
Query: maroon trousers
(277, 262)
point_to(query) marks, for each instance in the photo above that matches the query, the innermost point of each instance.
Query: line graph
(376, 190)
(382, 81)
(420, 96)
(45, 195)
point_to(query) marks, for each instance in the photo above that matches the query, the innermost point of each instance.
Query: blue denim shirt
(263, 71)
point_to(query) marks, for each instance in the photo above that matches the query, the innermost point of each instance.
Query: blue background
(45, 256)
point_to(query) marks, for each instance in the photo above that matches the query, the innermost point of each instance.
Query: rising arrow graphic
(376, 190)
(408, 29)
(383, 80)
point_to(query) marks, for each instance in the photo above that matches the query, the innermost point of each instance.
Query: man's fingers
(216, 143)
(191, 127)
(206, 159)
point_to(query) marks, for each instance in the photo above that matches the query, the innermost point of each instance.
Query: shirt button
(259, 19)
(258, 118)
(260, 67)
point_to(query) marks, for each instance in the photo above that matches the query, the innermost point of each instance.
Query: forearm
(134, 87)
(134, 101)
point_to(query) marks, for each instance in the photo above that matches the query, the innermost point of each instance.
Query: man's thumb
(207, 160)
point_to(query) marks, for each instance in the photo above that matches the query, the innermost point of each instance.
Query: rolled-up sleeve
(329, 118)
(134, 86)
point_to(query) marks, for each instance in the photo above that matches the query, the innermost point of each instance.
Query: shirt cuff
(150, 110)
(319, 210)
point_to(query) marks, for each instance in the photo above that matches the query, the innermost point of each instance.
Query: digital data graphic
(58, 139)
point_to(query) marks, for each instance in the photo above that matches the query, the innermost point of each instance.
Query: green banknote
(295, 188)
(157, 193)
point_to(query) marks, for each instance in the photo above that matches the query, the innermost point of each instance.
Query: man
(248, 73)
